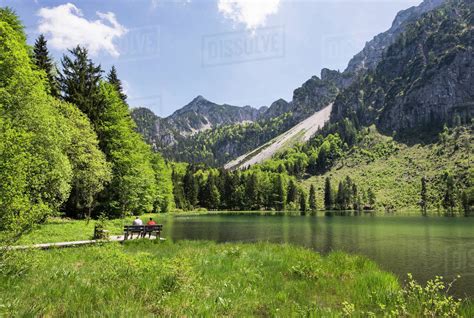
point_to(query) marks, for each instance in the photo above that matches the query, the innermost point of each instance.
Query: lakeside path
(113, 238)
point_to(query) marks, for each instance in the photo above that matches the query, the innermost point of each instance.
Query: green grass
(65, 230)
(145, 278)
(394, 170)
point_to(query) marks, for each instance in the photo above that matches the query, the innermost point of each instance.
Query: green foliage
(132, 189)
(36, 172)
(44, 62)
(81, 155)
(164, 201)
(80, 84)
(449, 198)
(113, 79)
(90, 171)
(328, 194)
(303, 202)
(144, 278)
(312, 198)
(393, 170)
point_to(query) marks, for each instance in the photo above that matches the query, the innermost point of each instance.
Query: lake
(423, 246)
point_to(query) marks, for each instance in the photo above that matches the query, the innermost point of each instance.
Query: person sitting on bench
(137, 221)
(150, 222)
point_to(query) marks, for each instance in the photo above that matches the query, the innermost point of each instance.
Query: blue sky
(239, 52)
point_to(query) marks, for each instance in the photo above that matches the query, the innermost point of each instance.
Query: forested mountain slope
(393, 171)
(424, 80)
(186, 135)
(199, 115)
(300, 133)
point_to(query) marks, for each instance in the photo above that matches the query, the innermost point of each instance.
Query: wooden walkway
(112, 238)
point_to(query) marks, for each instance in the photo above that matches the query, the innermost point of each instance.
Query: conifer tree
(113, 79)
(279, 195)
(449, 199)
(178, 191)
(228, 188)
(340, 196)
(302, 202)
(423, 196)
(312, 198)
(211, 193)
(253, 195)
(371, 198)
(328, 195)
(190, 187)
(79, 81)
(292, 195)
(355, 197)
(43, 61)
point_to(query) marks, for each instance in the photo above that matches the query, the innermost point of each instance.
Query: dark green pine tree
(303, 205)
(43, 61)
(328, 195)
(211, 193)
(292, 194)
(340, 196)
(253, 195)
(371, 198)
(312, 198)
(348, 197)
(423, 196)
(178, 191)
(237, 197)
(113, 79)
(228, 186)
(279, 195)
(79, 82)
(449, 199)
(191, 187)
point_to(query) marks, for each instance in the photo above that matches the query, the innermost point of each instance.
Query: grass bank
(144, 278)
(393, 170)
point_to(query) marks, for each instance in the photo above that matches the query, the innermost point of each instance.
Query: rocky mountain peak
(373, 50)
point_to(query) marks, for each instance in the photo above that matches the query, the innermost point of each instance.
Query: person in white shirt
(137, 221)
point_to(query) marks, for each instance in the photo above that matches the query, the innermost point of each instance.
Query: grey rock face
(202, 114)
(424, 80)
(276, 109)
(314, 95)
(373, 50)
(448, 94)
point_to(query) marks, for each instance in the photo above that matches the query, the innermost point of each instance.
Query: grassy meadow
(147, 278)
(394, 170)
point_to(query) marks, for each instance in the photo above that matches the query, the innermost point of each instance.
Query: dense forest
(67, 140)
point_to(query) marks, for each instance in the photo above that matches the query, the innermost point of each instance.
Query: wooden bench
(142, 230)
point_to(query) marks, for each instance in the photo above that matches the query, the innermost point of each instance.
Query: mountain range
(416, 74)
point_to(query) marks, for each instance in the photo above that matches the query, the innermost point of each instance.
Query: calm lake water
(423, 246)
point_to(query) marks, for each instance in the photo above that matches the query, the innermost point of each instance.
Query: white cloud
(66, 27)
(252, 13)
